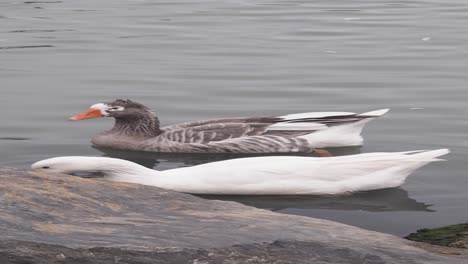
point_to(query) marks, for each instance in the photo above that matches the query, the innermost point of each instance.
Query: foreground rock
(450, 236)
(66, 219)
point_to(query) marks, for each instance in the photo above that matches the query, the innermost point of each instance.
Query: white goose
(273, 175)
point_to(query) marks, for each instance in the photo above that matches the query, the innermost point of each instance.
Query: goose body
(137, 128)
(273, 175)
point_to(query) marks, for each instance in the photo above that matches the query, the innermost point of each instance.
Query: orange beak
(90, 113)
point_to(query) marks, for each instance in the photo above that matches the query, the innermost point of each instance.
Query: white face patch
(105, 108)
(101, 107)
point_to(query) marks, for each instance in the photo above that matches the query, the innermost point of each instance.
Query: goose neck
(143, 125)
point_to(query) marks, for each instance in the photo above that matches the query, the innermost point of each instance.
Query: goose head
(119, 109)
(111, 168)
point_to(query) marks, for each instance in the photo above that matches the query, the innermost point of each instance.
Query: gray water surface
(199, 59)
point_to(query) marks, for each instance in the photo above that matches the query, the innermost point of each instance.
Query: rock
(451, 236)
(48, 218)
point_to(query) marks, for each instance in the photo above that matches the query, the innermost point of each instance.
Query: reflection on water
(42, 2)
(26, 47)
(175, 160)
(14, 138)
(385, 200)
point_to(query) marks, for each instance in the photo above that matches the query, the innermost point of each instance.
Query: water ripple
(26, 47)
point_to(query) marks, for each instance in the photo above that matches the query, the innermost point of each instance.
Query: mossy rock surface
(450, 236)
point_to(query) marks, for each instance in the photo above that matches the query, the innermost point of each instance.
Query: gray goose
(137, 128)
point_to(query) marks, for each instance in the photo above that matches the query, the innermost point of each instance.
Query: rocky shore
(46, 218)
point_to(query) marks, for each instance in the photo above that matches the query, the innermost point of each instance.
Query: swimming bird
(272, 175)
(137, 128)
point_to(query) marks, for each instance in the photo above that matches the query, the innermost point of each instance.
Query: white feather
(342, 135)
(375, 113)
(274, 175)
(314, 115)
(322, 135)
(297, 126)
(338, 136)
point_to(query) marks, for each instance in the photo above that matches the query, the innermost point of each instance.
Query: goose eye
(46, 167)
(115, 108)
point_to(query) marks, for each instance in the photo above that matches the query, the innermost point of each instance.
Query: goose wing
(317, 118)
(273, 175)
(232, 138)
(288, 125)
(302, 175)
(216, 132)
(242, 120)
(213, 132)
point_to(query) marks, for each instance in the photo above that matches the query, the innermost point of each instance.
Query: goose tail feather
(428, 155)
(338, 136)
(343, 135)
(375, 113)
